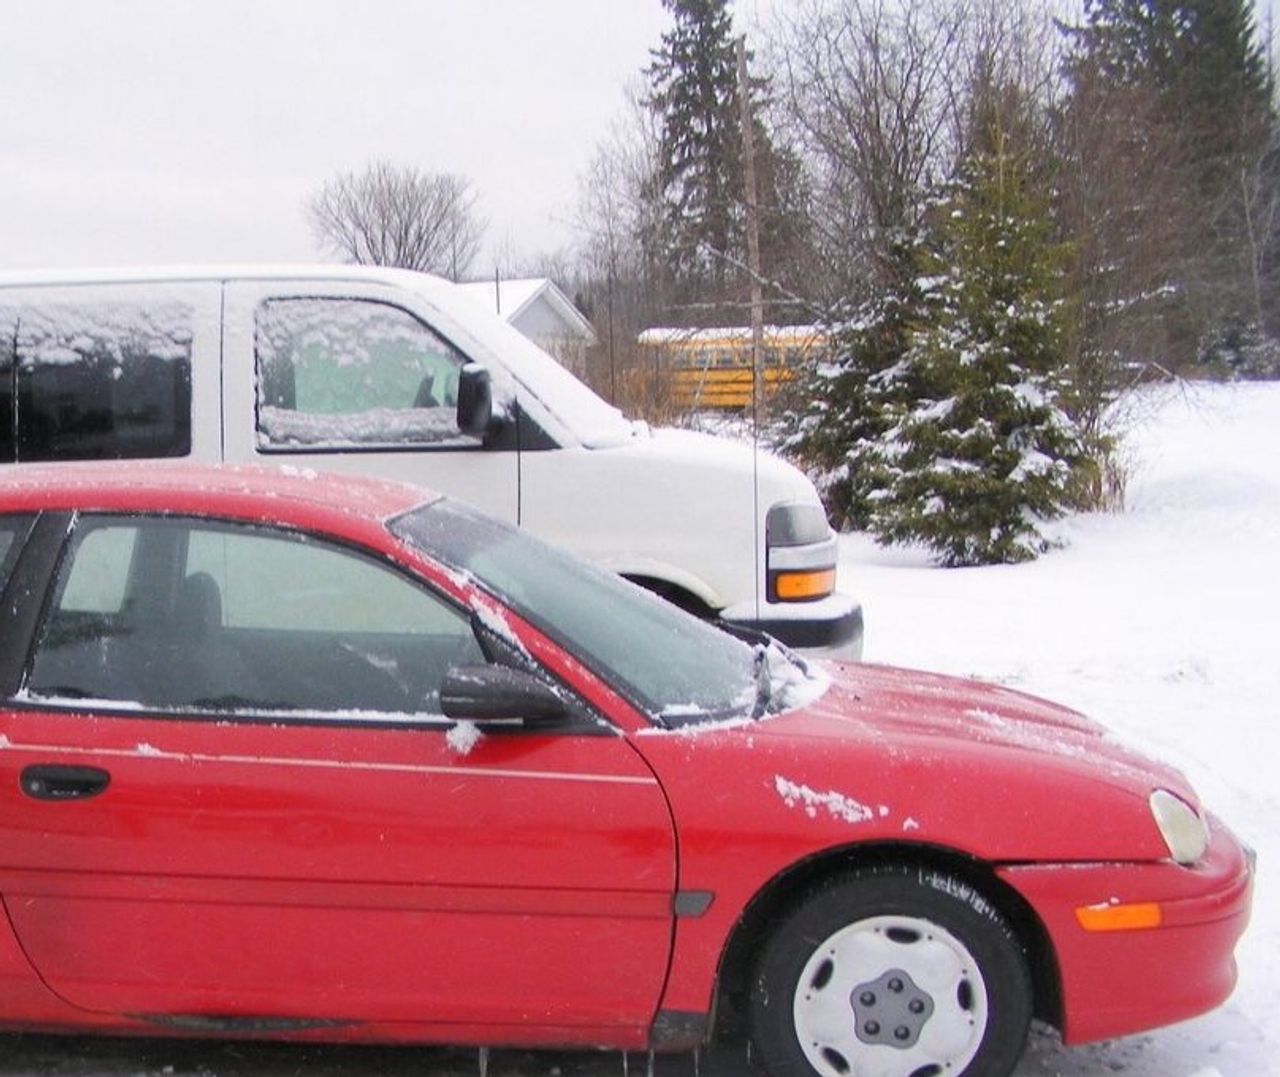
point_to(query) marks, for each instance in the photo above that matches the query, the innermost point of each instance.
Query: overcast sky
(192, 130)
(138, 131)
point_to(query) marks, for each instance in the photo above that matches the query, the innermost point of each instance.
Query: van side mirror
(498, 694)
(475, 400)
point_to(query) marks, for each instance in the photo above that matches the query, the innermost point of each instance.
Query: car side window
(107, 377)
(350, 373)
(173, 613)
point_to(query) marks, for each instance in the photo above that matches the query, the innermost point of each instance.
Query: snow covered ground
(1159, 621)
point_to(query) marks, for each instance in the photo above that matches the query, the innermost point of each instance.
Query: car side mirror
(475, 400)
(498, 694)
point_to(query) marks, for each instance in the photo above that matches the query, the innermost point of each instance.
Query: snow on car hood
(930, 713)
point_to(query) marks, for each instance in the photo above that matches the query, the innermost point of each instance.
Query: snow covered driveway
(1160, 622)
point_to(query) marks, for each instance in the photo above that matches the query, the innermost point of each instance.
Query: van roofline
(173, 274)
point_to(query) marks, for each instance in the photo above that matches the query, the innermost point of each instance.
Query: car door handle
(47, 781)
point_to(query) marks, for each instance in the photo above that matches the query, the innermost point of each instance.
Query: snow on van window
(73, 332)
(98, 372)
(340, 372)
(377, 426)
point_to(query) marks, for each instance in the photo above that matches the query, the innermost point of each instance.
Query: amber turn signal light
(1119, 917)
(803, 586)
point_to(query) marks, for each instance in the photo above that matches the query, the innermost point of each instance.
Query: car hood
(889, 755)
(934, 716)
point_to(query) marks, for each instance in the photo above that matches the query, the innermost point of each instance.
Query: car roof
(300, 497)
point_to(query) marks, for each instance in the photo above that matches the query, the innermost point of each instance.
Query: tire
(891, 972)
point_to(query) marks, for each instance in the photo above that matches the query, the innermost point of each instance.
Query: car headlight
(1182, 827)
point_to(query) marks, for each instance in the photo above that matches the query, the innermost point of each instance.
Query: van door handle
(48, 781)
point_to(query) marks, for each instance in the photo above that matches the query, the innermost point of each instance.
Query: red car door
(255, 842)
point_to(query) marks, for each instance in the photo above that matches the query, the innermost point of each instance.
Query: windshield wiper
(764, 685)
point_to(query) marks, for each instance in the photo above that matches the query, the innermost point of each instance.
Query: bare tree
(866, 88)
(399, 216)
(1260, 201)
(620, 287)
(1007, 74)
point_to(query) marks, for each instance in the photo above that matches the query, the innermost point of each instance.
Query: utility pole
(753, 230)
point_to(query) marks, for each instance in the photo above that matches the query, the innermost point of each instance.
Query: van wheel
(677, 596)
(891, 972)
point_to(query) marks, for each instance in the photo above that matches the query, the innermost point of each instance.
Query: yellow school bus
(711, 368)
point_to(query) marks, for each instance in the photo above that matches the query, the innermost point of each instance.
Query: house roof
(511, 298)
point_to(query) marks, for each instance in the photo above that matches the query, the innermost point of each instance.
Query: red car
(316, 757)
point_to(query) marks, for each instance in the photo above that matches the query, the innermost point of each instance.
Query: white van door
(351, 376)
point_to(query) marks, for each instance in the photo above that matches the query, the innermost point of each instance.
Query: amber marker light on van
(799, 586)
(1112, 916)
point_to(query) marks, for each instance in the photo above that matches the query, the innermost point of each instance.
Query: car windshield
(664, 660)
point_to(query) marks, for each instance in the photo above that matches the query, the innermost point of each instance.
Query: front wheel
(892, 972)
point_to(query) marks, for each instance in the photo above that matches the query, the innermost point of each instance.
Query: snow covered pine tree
(979, 449)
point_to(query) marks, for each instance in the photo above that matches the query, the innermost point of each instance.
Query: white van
(402, 375)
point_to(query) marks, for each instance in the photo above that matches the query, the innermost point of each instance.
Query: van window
(95, 380)
(351, 373)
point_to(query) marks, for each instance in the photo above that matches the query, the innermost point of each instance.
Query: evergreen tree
(840, 409)
(1202, 56)
(698, 231)
(1203, 67)
(979, 451)
(694, 82)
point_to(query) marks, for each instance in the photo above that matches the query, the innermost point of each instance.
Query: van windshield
(665, 661)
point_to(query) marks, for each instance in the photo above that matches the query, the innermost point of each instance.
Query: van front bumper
(828, 628)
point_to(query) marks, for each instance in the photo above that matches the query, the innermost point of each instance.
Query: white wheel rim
(886, 967)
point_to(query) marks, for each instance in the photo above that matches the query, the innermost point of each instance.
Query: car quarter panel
(752, 802)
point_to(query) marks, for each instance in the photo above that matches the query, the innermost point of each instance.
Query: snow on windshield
(790, 682)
